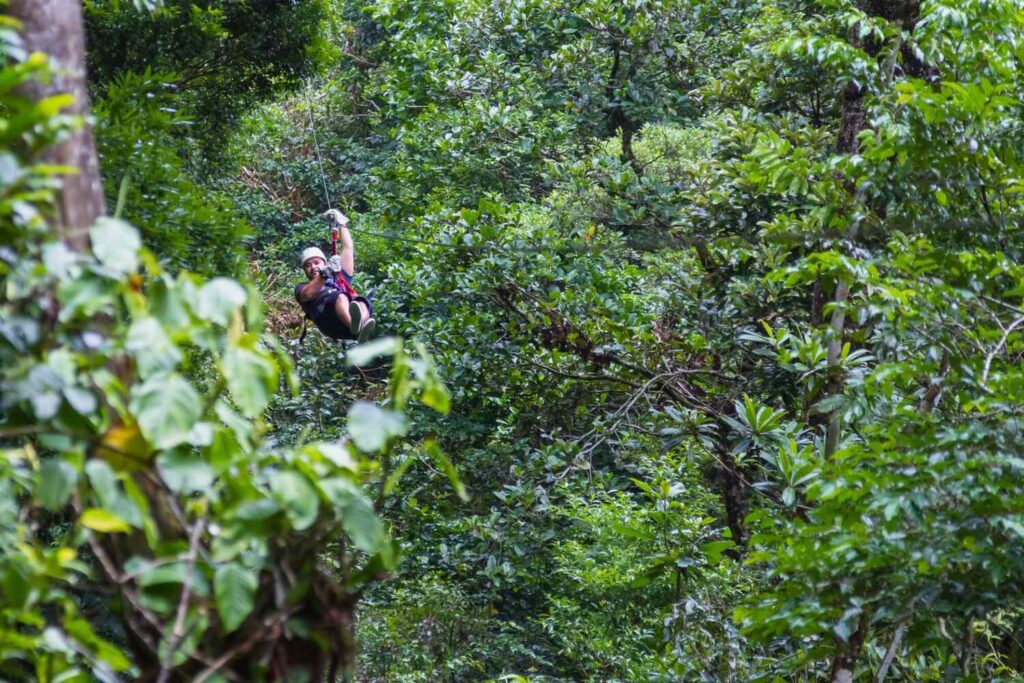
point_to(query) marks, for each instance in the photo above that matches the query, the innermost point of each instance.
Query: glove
(336, 217)
(334, 263)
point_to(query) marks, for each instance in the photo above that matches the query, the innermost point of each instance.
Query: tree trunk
(733, 488)
(852, 121)
(848, 653)
(618, 122)
(836, 380)
(55, 28)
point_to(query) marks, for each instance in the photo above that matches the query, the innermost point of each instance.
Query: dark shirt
(323, 301)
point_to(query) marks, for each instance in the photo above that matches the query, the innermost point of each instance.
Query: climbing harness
(339, 278)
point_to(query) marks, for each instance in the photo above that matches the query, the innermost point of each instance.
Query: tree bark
(836, 380)
(735, 497)
(852, 120)
(55, 28)
(845, 661)
(617, 121)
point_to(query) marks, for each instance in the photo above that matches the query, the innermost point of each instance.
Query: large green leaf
(234, 588)
(116, 244)
(104, 486)
(358, 517)
(294, 492)
(218, 298)
(371, 351)
(152, 349)
(167, 304)
(251, 378)
(441, 460)
(185, 472)
(370, 426)
(166, 408)
(85, 297)
(57, 480)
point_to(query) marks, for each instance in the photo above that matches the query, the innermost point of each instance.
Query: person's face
(312, 265)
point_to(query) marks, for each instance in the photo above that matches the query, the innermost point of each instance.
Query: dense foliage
(727, 296)
(150, 527)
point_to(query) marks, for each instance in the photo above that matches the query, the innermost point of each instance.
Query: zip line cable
(394, 238)
(413, 240)
(316, 145)
(327, 195)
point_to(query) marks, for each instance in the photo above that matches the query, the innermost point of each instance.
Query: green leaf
(338, 454)
(103, 521)
(81, 400)
(116, 244)
(366, 353)
(293, 491)
(153, 351)
(396, 476)
(185, 472)
(234, 588)
(257, 510)
(167, 303)
(81, 630)
(85, 297)
(370, 426)
(218, 298)
(48, 107)
(251, 378)
(358, 517)
(57, 480)
(788, 496)
(445, 465)
(435, 395)
(166, 408)
(104, 484)
(713, 551)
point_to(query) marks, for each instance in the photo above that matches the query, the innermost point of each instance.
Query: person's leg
(341, 310)
(363, 323)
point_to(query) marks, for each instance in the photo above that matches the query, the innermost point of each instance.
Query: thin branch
(1002, 342)
(20, 431)
(890, 653)
(593, 378)
(113, 576)
(178, 632)
(244, 646)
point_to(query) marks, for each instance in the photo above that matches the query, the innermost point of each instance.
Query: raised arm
(347, 250)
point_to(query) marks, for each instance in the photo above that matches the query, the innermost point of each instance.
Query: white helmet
(311, 252)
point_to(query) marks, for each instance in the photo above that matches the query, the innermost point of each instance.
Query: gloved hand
(336, 217)
(334, 263)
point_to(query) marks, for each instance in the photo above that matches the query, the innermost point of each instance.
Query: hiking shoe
(356, 314)
(366, 329)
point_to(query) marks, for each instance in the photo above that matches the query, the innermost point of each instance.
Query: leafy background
(725, 295)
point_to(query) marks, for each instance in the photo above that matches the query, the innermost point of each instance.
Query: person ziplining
(328, 298)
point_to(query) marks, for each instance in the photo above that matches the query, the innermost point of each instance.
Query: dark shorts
(328, 323)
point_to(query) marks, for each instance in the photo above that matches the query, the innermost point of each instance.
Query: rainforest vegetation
(700, 328)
